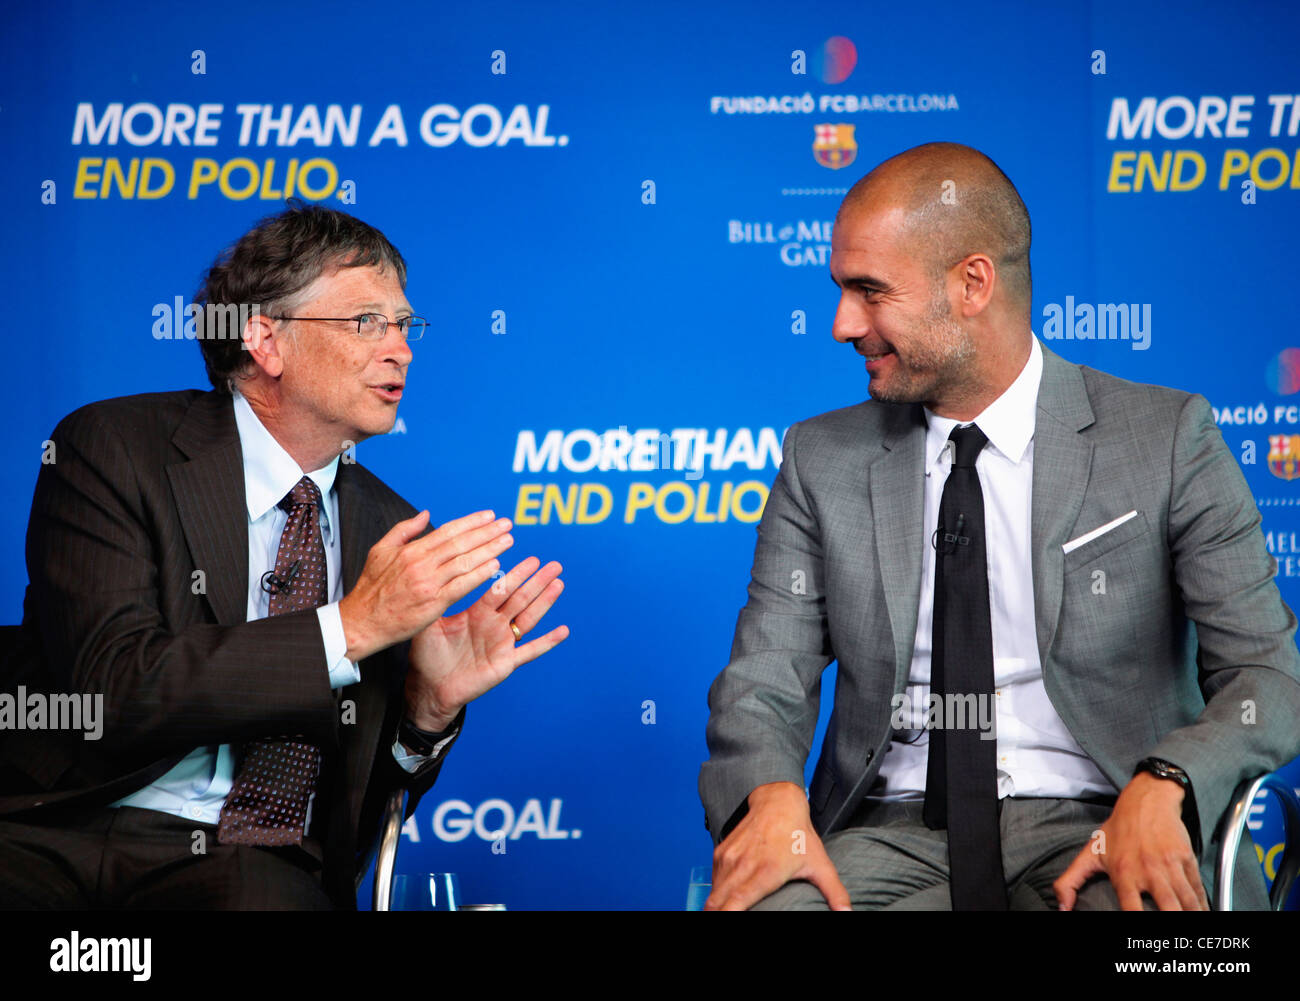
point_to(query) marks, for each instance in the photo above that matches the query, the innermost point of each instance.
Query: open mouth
(390, 391)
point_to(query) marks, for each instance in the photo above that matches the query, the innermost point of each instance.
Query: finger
(460, 536)
(503, 587)
(1127, 893)
(1202, 898)
(448, 550)
(535, 648)
(1163, 893)
(458, 587)
(713, 902)
(749, 894)
(1184, 885)
(826, 879)
(404, 531)
(533, 614)
(1067, 885)
(442, 574)
(725, 898)
(526, 593)
(450, 529)
(748, 883)
(464, 523)
(1188, 898)
(1192, 874)
(1186, 889)
(726, 878)
(717, 898)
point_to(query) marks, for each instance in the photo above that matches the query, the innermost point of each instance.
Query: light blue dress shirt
(198, 785)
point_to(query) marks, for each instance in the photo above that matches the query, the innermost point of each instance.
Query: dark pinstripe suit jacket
(137, 555)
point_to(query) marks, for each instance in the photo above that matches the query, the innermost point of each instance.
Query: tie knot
(304, 491)
(968, 441)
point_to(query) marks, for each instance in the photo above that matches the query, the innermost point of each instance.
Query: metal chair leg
(386, 858)
(1232, 826)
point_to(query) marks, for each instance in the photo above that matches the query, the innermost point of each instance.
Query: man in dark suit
(259, 618)
(1075, 556)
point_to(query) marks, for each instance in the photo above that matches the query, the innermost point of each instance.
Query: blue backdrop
(618, 222)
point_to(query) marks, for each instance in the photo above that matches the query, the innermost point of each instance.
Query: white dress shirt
(1036, 756)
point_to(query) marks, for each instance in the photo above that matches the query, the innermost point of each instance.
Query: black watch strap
(1163, 769)
(424, 741)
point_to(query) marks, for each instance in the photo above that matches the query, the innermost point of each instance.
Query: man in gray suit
(1140, 660)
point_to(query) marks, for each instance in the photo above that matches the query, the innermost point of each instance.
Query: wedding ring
(515, 629)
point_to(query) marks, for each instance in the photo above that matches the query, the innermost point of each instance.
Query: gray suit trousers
(889, 860)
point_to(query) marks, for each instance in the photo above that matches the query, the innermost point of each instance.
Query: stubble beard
(939, 355)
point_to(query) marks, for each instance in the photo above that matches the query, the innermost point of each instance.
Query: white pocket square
(1097, 533)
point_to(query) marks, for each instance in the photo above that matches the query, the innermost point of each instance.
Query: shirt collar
(270, 472)
(1007, 422)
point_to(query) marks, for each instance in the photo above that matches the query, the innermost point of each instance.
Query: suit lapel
(361, 525)
(1062, 464)
(210, 501)
(897, 503)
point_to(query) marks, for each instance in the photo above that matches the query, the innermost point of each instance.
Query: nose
(851, 321)
(394, 348)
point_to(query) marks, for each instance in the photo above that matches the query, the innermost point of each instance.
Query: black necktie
(268, 800)
(961, 785)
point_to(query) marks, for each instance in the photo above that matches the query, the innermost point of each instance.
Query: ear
(264, 343)
(978, 277)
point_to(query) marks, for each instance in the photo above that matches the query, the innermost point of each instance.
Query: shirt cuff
(414, 762)
(342, 671)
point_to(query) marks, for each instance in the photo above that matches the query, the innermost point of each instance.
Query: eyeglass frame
(383, 331)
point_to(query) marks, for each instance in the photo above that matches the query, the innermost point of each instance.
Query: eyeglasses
(373, 326)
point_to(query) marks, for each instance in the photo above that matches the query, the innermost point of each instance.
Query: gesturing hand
(760, 855)
(1146, 849)
(457, 658)
(408, 580)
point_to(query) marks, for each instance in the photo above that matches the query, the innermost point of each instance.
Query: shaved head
(953, 202)
(930, 252)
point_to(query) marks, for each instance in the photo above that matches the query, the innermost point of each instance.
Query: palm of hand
(457, 658)
(466, 654)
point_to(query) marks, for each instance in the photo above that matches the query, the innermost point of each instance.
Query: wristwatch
(423, 741)
(1163, 769)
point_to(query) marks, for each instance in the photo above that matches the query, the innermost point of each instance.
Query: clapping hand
(457, 658)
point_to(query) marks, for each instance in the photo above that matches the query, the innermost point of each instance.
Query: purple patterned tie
(267, 804)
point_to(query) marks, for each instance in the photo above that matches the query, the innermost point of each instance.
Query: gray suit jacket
(1189, 655)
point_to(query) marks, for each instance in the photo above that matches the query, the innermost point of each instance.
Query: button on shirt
(1036, 755)
(198, 785)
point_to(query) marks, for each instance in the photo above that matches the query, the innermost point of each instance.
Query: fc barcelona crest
(834, 145)
(1284, 455)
